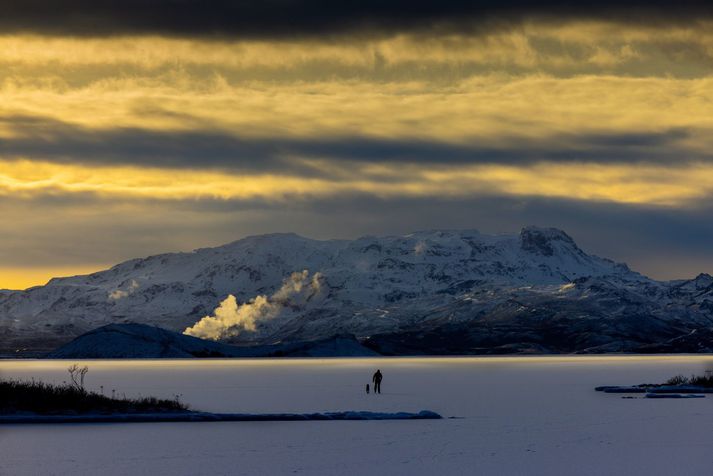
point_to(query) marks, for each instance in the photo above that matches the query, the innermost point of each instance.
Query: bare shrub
(76, 374)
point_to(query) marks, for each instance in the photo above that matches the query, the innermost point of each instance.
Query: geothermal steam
(230, 318)
(122, 293)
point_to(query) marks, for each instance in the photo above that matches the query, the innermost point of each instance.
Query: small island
(19, 397)
(679, 386)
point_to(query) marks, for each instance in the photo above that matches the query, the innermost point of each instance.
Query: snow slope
(452, 291)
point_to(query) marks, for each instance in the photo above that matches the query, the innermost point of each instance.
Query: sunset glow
(578, 112)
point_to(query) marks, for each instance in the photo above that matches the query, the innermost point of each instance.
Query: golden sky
(113, 147)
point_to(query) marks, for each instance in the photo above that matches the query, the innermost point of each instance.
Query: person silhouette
(377, 381)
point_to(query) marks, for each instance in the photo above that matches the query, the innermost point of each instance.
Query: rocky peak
(703, 280)
(542, 241)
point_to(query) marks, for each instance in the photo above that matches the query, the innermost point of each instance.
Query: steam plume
(230, 318)
(122, 293)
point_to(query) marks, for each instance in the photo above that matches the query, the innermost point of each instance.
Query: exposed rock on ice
(216, 417)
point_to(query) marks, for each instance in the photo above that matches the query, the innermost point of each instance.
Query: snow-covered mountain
(431, 291)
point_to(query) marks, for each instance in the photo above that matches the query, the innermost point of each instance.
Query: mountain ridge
(534, 290)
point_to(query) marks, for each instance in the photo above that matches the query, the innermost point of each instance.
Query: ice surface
(518, 416)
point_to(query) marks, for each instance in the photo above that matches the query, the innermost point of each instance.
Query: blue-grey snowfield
(430, 292)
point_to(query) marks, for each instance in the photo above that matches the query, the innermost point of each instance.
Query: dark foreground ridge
(217, 417)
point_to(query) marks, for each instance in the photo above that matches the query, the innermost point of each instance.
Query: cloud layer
(291, 18)
(122, 135)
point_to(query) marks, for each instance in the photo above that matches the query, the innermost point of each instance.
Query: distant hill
(140, 341)
(429, 292)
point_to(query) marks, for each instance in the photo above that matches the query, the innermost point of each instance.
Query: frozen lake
(518, 415)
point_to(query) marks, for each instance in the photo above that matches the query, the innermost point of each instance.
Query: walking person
(377, 381)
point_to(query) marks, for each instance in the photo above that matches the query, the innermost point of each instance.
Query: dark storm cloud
(660, 242)
(53, 140)
(292, 18)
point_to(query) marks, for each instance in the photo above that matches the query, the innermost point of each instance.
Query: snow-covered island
(695, 386)
(22, 399)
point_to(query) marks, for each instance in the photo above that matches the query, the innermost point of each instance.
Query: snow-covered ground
(524, 415)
